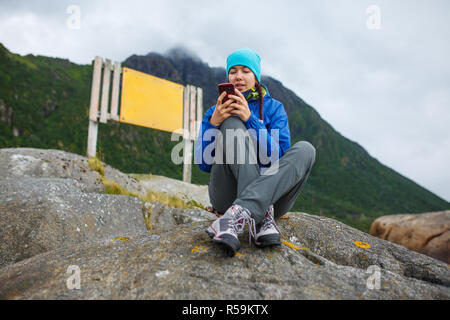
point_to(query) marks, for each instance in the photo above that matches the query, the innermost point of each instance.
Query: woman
(253, 192)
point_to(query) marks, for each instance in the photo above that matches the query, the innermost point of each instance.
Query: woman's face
(242, 77)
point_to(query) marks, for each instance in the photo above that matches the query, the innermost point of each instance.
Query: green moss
(142, 176)
(168, 200)
(112, 187)
(147, 216)
(194, 203)
(97, 165)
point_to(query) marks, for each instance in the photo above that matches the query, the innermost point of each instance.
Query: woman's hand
(222, 111)
(240, 106)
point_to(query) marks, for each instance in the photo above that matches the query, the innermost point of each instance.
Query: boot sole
(229, 244)
(268, 241)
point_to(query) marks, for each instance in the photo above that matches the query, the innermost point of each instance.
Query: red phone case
(228, 88)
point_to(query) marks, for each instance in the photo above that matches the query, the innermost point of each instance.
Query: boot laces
(269, 220)
(238, 223)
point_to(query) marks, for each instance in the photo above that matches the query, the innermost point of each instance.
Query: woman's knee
(306, 149)
(232, 123)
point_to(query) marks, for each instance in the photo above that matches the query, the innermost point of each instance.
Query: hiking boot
(225, 230)
(267, 232)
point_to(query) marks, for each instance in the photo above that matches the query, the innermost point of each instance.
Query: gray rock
(344, 245)
(183, 190)
(427, 233)
(35, 163)
(163, 217)
(183, 263)
(42, 214)
(54, 219)
(41, 163)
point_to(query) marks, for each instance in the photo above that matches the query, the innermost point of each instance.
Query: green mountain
(44, 103)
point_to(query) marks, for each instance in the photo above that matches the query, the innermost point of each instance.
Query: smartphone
(228, 88)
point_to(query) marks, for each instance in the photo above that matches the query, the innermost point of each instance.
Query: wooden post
(114, 115)
(105, 91)
(95, 88)
(186, 113)
(192, 110)
(199, 111)
(93, 109)
(187, 151)
(187, 161)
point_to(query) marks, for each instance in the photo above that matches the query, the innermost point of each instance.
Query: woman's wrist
(213, 123)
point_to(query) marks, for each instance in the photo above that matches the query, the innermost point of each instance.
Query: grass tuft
(112, 187)
(97, 165)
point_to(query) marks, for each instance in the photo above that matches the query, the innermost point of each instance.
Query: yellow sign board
(151, 102)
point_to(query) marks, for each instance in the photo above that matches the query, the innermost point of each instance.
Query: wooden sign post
(145, 101)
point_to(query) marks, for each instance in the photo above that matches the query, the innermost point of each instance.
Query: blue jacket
(274, 116)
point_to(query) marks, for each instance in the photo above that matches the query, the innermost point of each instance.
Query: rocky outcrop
(120, 247)
(317, 260)
(175, 187)
(40, 163)
(162, 217)
(51, 199)
(427, 233)
(41, 214)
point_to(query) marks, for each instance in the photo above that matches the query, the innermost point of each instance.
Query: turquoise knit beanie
(245, 57)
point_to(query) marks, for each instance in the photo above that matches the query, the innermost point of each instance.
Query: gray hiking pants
(243, 184)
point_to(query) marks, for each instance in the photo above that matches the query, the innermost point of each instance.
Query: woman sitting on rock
(240, 190)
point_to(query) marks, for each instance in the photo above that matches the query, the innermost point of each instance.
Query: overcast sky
(377, 71)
